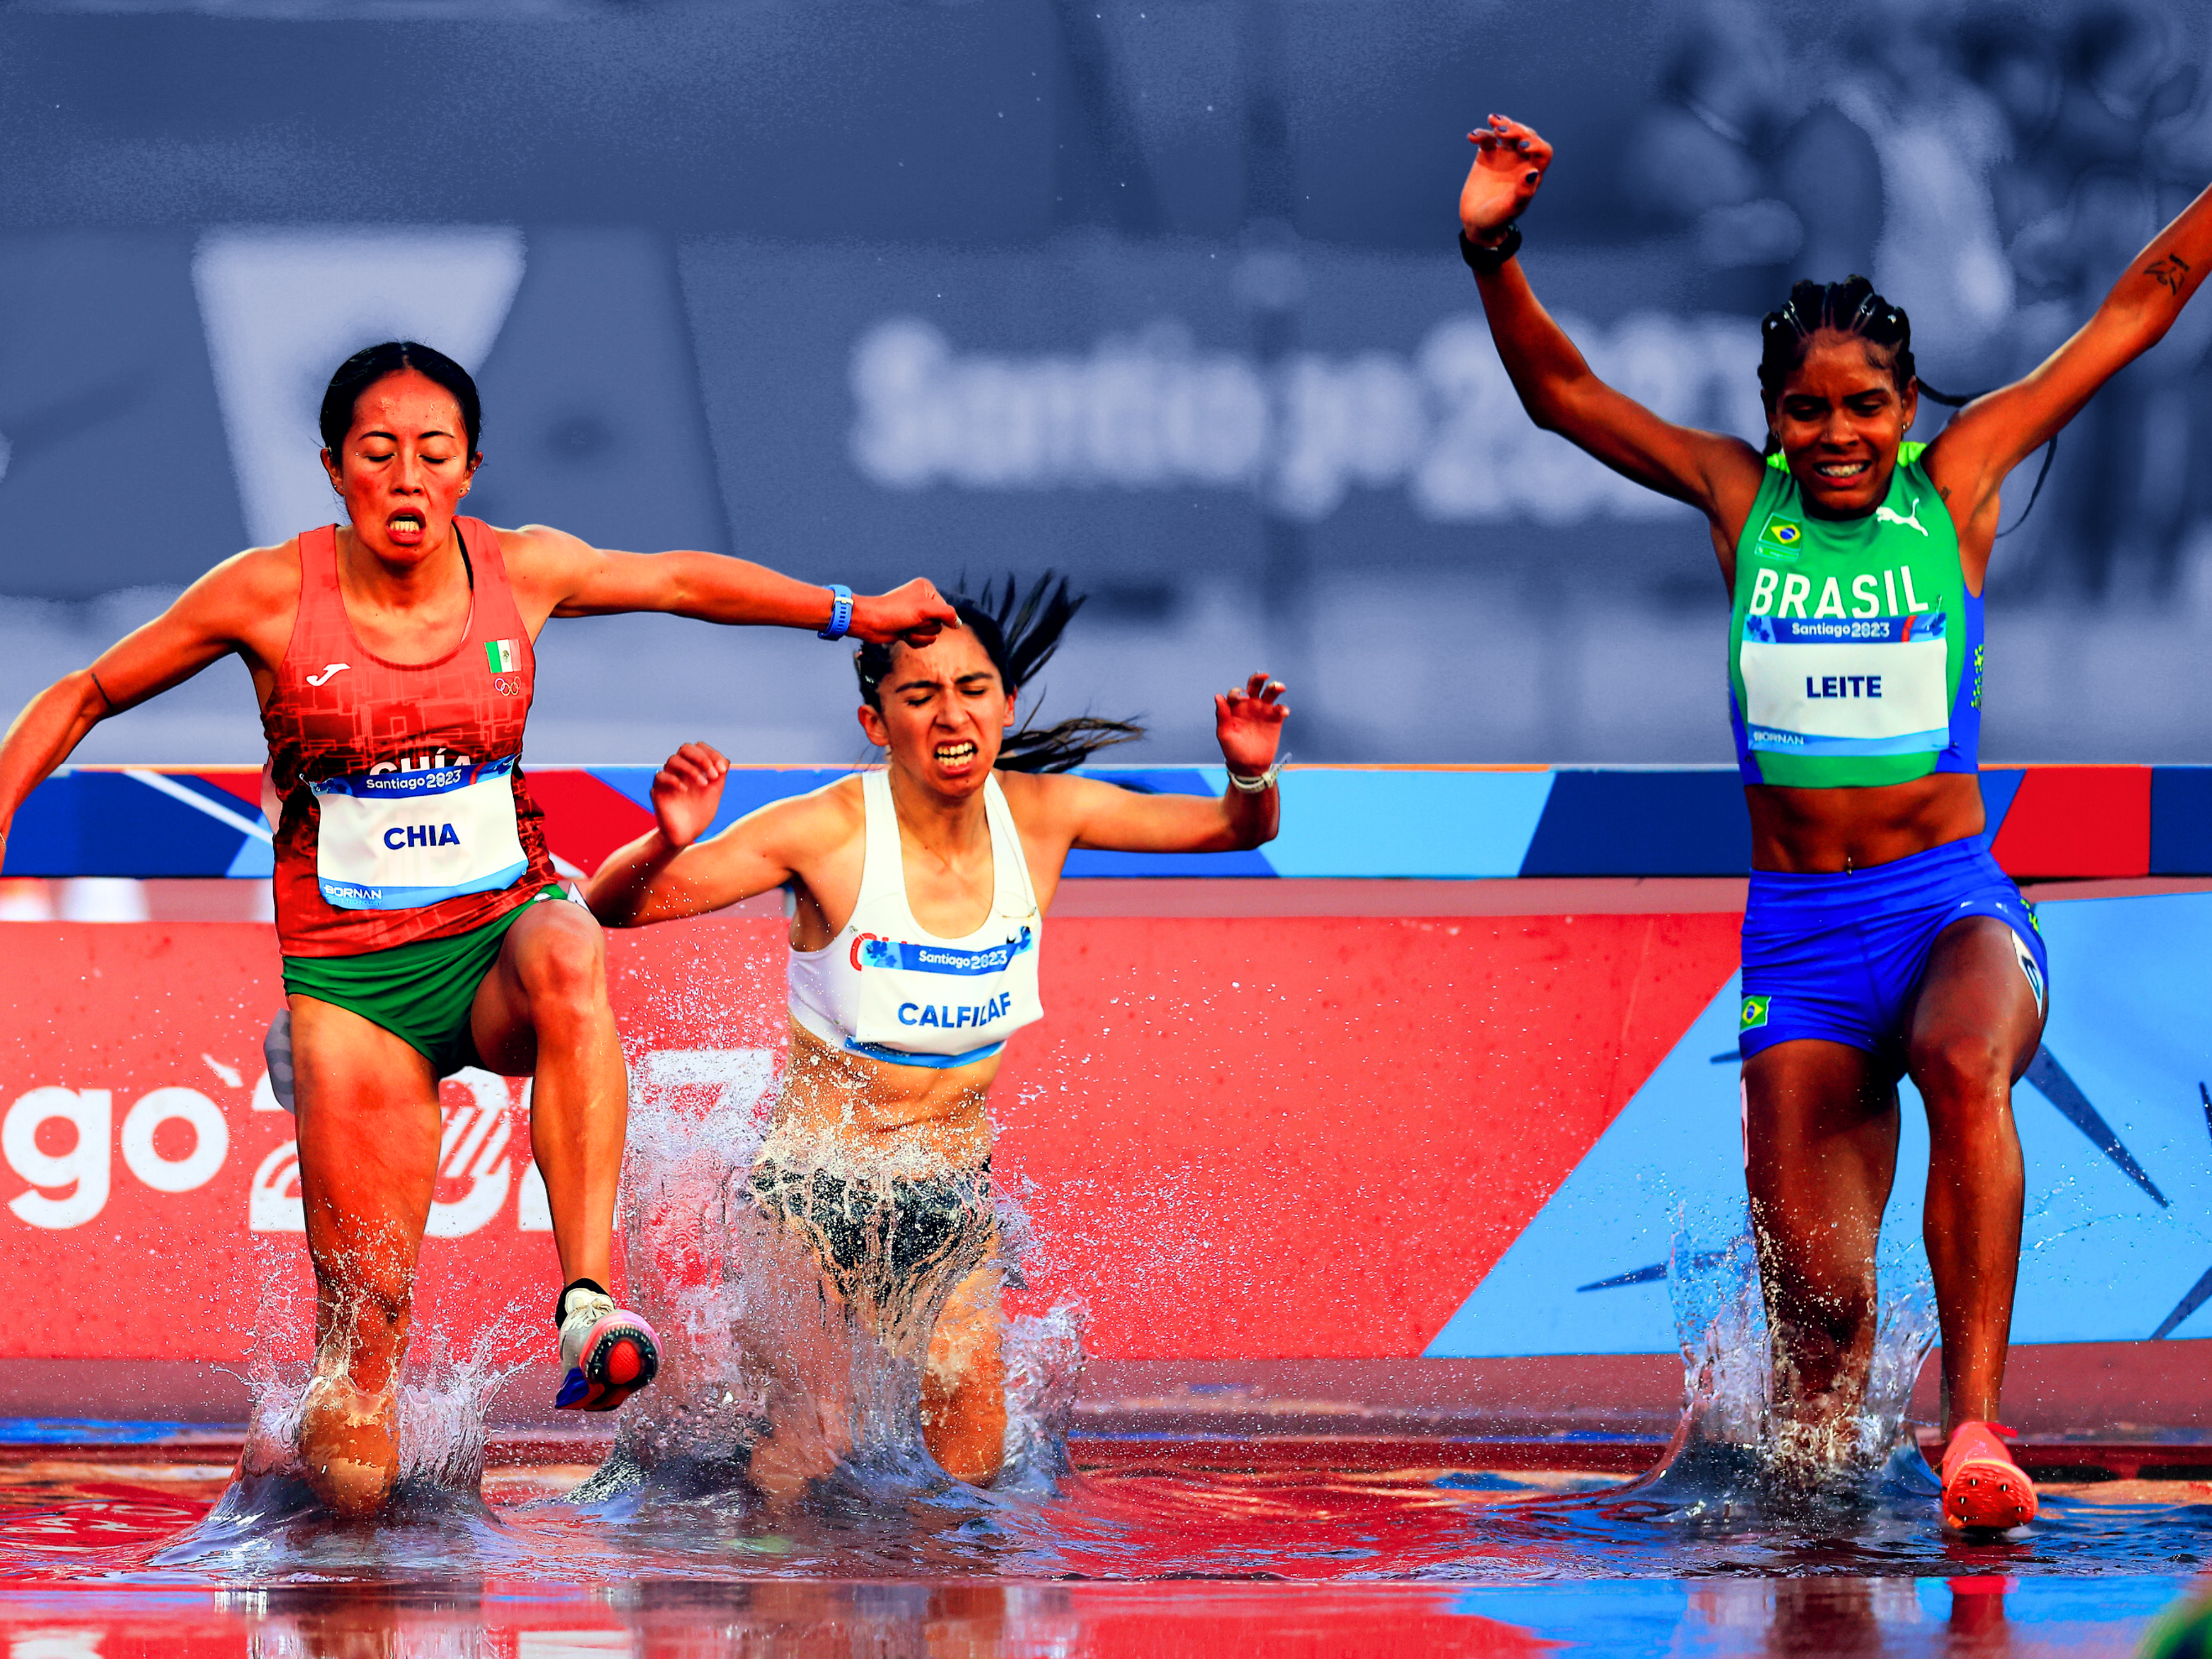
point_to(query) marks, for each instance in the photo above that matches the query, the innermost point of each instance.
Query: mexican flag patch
(500, 653)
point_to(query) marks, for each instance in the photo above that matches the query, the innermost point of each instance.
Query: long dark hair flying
(1018, 632)
(1851, 306)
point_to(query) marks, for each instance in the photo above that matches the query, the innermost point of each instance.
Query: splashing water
(268, 1514)
(769, 1380)
(1731, 1459)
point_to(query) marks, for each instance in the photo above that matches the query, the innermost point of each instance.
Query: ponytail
(1019, 637)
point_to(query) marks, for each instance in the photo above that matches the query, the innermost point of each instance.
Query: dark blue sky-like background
(1162, 295)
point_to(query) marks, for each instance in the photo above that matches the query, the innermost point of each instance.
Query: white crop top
(885, 988)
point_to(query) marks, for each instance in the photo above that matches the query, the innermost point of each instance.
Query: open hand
(1248, 721)
(916, 613)
(687, 791)
(1509, 160)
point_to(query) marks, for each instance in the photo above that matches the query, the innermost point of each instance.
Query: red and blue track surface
(1371, 1135)
(1430, 1085)
(1403, 1133)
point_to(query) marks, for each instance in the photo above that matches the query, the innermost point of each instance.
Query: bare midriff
(874, 1107)
(1806, 832)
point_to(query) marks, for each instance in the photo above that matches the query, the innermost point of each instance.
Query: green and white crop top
(1854, 650)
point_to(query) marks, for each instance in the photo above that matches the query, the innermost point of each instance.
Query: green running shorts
(420, 993)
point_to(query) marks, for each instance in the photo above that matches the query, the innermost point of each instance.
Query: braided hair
(1019, 633)
(1851, 306)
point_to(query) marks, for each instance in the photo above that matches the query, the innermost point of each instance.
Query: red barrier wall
(1236, 1137)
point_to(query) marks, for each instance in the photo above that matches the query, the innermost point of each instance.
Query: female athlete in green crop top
(1855, 572)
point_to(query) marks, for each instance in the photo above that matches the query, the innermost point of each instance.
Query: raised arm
(1249, 722)
(669, 871)
(221, 612)
(1970, 458)
(1715, 473)
(567, 576)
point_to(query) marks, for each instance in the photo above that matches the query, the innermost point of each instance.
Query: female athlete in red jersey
(393, 659)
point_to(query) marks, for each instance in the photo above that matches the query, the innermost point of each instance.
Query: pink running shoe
(610, 1353)
(1983, 1490)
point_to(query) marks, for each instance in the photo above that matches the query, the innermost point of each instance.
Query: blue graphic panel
(1999, 786)
(2180, 820)
(1683, 823)
(1412, 823)
(2114, 1116)
(108, 823)
(1208, 781)
(745, 789)
(1406, 824)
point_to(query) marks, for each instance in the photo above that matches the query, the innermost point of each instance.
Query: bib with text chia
(398, 840)
(1862, 685)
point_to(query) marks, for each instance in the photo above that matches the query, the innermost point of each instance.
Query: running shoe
(610, 1353)
(1983, 1490)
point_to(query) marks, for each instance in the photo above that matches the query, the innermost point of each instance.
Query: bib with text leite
(1854, 650)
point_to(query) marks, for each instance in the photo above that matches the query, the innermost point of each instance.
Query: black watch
(1488, 261)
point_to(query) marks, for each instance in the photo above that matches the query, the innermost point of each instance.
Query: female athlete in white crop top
(919, 900)
(888, 988)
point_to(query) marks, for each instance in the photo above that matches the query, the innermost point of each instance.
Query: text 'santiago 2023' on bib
(398, 840)
(1870, 686)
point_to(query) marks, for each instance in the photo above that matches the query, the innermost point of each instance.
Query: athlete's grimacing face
(403, 467)
(1840, 419)
(945, 713)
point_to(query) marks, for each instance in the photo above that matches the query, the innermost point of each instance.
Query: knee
(565, 968)
(1961, 1066)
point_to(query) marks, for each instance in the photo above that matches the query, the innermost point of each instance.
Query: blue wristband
(841, 612)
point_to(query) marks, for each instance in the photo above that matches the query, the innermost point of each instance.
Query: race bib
(930, 998)
(1868, 685)
(398, 840)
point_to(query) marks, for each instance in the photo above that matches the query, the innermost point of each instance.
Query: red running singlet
(412, 770)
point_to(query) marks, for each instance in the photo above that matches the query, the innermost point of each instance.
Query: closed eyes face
(1840, 420)
(945, 713)
(404, 466)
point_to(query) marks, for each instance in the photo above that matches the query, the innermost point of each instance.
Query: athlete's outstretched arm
(569, 577)
(1712, 471)
(210, 620)
(1248, 719)
(668, 871)
(1970, 457)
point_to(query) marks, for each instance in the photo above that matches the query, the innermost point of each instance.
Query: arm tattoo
(2168, 272)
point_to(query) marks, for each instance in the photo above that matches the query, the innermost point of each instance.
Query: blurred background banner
(1161, 296)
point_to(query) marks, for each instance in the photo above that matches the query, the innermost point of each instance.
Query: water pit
(117, 1538)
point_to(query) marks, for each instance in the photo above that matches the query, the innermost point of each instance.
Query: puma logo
(331, 670)
(1884, 516)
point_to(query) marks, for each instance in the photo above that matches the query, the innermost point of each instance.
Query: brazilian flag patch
(1754, 1013)
(1781, 536)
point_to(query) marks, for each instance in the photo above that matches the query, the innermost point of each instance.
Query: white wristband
(1258, 786)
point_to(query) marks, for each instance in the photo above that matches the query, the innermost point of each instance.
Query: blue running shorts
(1839, 956)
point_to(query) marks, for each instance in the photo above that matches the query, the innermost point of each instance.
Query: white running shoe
(610, 1353)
